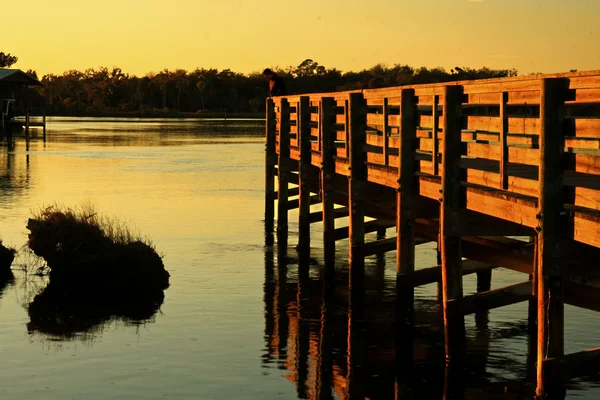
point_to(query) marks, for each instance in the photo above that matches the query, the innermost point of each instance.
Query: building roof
(17, 77)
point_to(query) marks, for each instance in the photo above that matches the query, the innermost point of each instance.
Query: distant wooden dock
(471, 165)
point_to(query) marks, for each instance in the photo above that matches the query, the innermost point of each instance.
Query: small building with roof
(12, 83)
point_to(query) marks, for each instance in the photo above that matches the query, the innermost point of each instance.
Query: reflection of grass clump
(84, 248)
(7, 255)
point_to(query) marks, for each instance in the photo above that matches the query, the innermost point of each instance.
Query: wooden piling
(358, 175)
(550, 341)
(405, 240)
(406, 190)
(44, 124)
(304, 165)
(326, 126)
(452, 200)
(282, 173)
(27, 128)
(270, 163)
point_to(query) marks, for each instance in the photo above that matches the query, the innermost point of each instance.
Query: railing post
(550, 341)
(503, 142)
(326, 127)
(435, 145)
(270, 163)
(452, 200)
(358, 175)
(386, 128)
(303, 171)
(283, 173)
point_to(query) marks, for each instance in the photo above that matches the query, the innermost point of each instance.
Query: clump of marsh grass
(84, 248)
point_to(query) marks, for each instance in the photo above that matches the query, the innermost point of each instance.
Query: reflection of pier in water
(329, 345)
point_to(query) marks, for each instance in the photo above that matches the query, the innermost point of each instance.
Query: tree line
(98, 91)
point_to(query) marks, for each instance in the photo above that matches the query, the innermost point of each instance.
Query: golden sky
(141, 36)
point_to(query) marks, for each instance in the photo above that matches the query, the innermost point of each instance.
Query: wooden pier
(501, 173)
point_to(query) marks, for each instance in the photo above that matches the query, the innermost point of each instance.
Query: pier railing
(505, 137)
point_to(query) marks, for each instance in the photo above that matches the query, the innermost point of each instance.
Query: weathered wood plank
(371, 226)
(527, 187)
(425, 276)
(502, 206)
(586, 229)
(517, 155)
(493, 124)
(379, 246)
(493, 299)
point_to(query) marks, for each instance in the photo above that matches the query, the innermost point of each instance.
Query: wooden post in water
(327, 126)
(44, 123)
(358, 176)
(27, 128)
(270, 163)
(405, 242)
(452, 201)
(407, 189)
(550, 341)
(282, 173)
(305, 163)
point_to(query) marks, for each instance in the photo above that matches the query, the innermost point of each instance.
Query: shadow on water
(332, 343)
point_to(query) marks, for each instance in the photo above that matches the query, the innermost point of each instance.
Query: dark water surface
(239, 321)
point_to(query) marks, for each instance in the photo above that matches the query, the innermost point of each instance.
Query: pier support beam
(452, 199)
(270, 163)
(283, 173)
(304, 165)
(326, 126)
(358, 176)
(550, 287)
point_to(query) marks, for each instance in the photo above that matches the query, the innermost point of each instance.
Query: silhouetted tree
(7, 60)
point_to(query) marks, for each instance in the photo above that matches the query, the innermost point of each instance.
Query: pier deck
(472, 165)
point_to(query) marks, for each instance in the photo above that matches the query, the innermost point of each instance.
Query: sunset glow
(141, 36)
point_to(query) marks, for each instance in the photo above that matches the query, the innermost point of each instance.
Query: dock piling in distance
(270, 164)
(283, 173)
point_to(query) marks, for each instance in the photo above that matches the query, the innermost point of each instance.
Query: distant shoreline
(161, 114)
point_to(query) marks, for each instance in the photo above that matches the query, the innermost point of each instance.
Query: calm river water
(237, 322)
